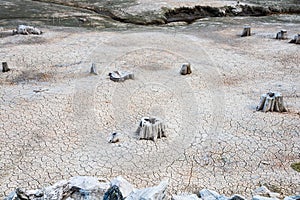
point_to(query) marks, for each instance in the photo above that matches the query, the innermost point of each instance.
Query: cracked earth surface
(215, 138)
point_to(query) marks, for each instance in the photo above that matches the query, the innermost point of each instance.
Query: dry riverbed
(56, 117)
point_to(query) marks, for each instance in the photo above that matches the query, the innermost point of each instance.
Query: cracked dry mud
(215, 138)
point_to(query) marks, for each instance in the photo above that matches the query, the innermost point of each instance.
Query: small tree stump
(246, 31)
(282, 35)
(119, 76)
(151, 128)
(26, 30)
(296, 39)
(272, 101)
(185, 69)
(93, 69)
(5, 67)
(114, 137)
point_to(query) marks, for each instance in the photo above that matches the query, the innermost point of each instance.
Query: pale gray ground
(215, 140)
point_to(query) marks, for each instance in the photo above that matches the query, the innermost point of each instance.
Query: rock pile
(86, 187)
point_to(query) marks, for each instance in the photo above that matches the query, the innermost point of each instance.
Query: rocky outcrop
(80, 187)
(86, 187)
(153, 193)
(181, 14)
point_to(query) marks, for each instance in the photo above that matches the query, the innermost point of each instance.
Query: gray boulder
(297, 197)
(185, 197)
(79, 188)
(237, 197)
(206, 194)
(125, 187)
(258, 197)
(152, 193)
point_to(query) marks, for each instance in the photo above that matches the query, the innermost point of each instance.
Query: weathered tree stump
(282, 35)
(185, 69)
(296, 39)
(246, 31)
(26, 30)
(119, 76)
(151, 128)
(5, 67)
(114, 137)
(93, 69)
(272, 101)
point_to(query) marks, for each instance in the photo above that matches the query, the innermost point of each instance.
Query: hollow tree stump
(185, 69)
(246, 31)
(296, 39)
(120, 76)
(5, 67)
(282, 35)
(272, 101)
(151, 128)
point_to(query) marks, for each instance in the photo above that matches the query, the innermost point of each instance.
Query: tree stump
(151, 128)
(119, 76)
(296, 39)
(26, 30)
(185, 69)
(114, 137)
(246, 31)
(272, 101)
(5, 67)
(93, 69)
(282, 35)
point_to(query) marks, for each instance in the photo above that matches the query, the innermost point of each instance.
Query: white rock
(297, 197)
(125, 187)
(185, 197)
(206, 194)
(237, 197)
(152, 193)
(264, 191)
(258, 197)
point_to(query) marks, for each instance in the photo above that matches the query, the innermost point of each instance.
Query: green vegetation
(296, 166)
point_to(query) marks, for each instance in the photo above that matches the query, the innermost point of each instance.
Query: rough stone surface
(264, 191)
(153, 193)
(207, 194)
(113, 193)
(125, 187)
(297, 197)
(258, 197)
(76, 188)
(185, 197)
(237, 197)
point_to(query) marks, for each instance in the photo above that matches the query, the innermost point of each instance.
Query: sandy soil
(56, 117)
